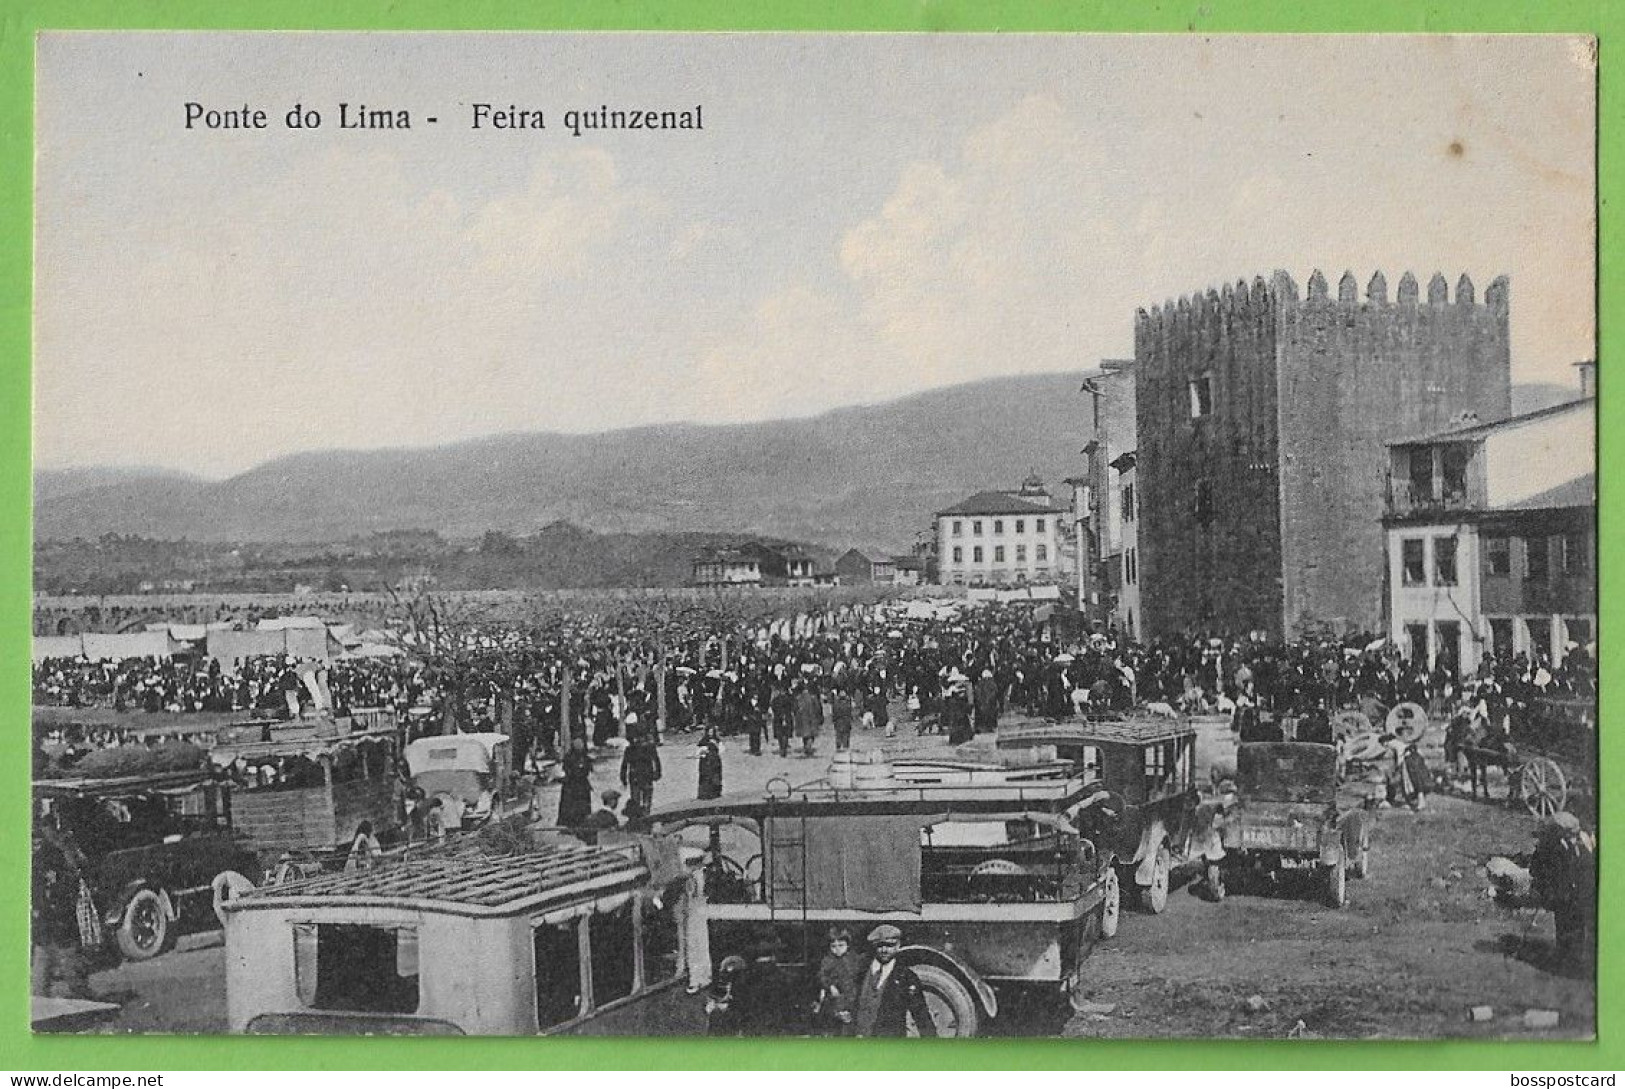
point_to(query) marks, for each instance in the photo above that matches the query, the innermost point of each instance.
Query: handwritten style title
(480, 115)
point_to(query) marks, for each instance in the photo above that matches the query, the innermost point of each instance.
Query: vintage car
(566, 939)
(306, 787)
(981, 867)
(159, 851)
(1150, 764)
(1286, 816)
(461, 770)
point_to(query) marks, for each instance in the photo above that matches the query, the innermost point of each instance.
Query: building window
(1453, 467)
(1131, 567)
(1579, 630)
(998, 526)
(998, 553)
(976, 527)
(1416, 642)
(1576, 554)
(1021, 525)
(1201, 389)
(1204, 502)
(1413, 562)
(1540, 635)
(959, 528)
(1038, 525)
(1497, 556)
(1501, 636)
(1447, 646)
(1021, 553)
(959, 555)
(1537, 559)
(1041, 553)
(1128, 502)
(1422, 474)
(976, 554)
(1444, 561)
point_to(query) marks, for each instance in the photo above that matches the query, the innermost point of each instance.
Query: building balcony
(1405, 499)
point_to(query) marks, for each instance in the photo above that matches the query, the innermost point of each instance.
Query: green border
(19, 1050)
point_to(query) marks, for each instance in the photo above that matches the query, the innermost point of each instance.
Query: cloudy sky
(862, 217)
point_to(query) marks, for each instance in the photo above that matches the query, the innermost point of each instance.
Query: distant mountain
(869, 476)
(52, 484)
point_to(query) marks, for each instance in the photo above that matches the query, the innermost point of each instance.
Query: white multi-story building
(998, 538)
(1491, 539)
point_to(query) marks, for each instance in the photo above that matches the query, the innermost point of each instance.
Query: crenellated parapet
(1242, 301)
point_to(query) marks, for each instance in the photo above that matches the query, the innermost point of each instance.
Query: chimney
(1588, 377)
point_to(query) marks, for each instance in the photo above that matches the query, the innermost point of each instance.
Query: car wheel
(953, 1010)
(1337, 892)
(145, 930)
(1111, 906)
(1155, 895)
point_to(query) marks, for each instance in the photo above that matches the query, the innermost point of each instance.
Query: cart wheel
(145, 930)
(1111, 906)
(1154, 896)
(1213, 875)
(1337, 889)
(1408, 722)
(1542, 787)
(953, 1010)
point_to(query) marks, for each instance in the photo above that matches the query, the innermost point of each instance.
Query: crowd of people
(566, 695)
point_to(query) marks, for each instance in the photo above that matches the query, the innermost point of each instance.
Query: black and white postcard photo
(815, 535)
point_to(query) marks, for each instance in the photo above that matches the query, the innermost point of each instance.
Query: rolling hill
(869, 476)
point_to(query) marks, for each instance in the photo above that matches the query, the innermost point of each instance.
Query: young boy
(838, 976)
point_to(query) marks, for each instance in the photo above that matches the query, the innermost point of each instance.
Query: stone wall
(1224, 573)
(1353, 375)
(1289, 465)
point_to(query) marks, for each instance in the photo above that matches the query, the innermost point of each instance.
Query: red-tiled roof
(1002, 503)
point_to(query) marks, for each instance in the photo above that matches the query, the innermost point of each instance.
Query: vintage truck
(1285, 816)
(160, 853)
(566, 938)
(1149, 765)
(982, 868)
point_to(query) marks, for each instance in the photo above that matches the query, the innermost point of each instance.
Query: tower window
(1201, 390)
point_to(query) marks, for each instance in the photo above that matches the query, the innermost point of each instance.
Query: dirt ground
(1417, 946)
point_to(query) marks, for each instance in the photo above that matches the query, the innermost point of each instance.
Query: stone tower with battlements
(1261, 417)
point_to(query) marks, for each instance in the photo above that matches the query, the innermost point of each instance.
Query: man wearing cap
(604, 819)
(889, 993)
